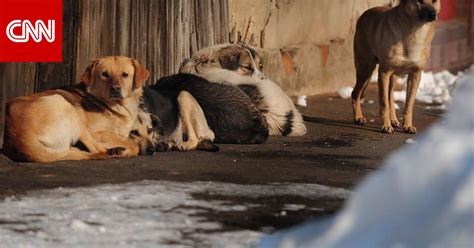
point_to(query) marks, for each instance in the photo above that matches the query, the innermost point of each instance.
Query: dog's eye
(150, 130)
(105, 74)
(260, 66)
(134, 133)
(247, 67)
(124, 75)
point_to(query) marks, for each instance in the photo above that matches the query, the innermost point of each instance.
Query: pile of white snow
(302, 101)
(345, 92)
(435, 88)
(422, 197)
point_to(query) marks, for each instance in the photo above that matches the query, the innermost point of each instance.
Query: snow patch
(143, 214)
(435, 88)
(302, 101)
(293, 207)
(345, 92)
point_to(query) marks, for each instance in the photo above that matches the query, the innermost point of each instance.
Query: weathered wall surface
(307, 44)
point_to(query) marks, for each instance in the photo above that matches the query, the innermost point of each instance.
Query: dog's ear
(140, 76)
(157, 124)
(87, 75)
(229, 59)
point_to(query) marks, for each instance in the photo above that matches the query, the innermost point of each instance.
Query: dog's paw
(396, 123)
(115, 152)
(207, 145)
(183, 148)
(186, 146)
(163, 147)
(150, 151)
(206, 134)
(388, 129)
(360, 120)
(101, 149)
(410, 129)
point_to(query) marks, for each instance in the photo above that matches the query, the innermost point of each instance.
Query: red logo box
(31, 30)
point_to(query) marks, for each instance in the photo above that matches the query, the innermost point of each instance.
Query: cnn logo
(26, 30)
(31, 30)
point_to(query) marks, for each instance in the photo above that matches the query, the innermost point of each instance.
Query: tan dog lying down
(45, 127)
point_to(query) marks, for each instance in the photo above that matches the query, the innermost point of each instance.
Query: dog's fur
(241, 66)
(399, 40)
(99, 113)
(180, 120)
(230, 113)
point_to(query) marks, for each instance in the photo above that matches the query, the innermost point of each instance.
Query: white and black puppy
(241, 66)
(230, 113)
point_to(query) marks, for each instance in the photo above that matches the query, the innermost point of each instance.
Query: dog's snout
(115, 87)
(259, 75)
(428, 14)
(432, 16)
(150, 151)
(115, 91)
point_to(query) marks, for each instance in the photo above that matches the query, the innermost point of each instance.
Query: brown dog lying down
(399, 40)
(99, 113)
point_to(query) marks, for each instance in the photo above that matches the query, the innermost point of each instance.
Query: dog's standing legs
(384, 83)
(412, 87)
(393, 111)
(364, 69)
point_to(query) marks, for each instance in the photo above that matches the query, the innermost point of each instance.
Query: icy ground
(422, 197)
(144, 214)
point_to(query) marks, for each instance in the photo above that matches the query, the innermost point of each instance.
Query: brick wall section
(452, 47)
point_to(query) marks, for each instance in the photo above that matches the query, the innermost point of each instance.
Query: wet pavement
(332, 157)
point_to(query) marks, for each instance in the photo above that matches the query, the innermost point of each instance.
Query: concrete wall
(307, 44)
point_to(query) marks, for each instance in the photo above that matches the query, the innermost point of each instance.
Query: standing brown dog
(399, 40)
